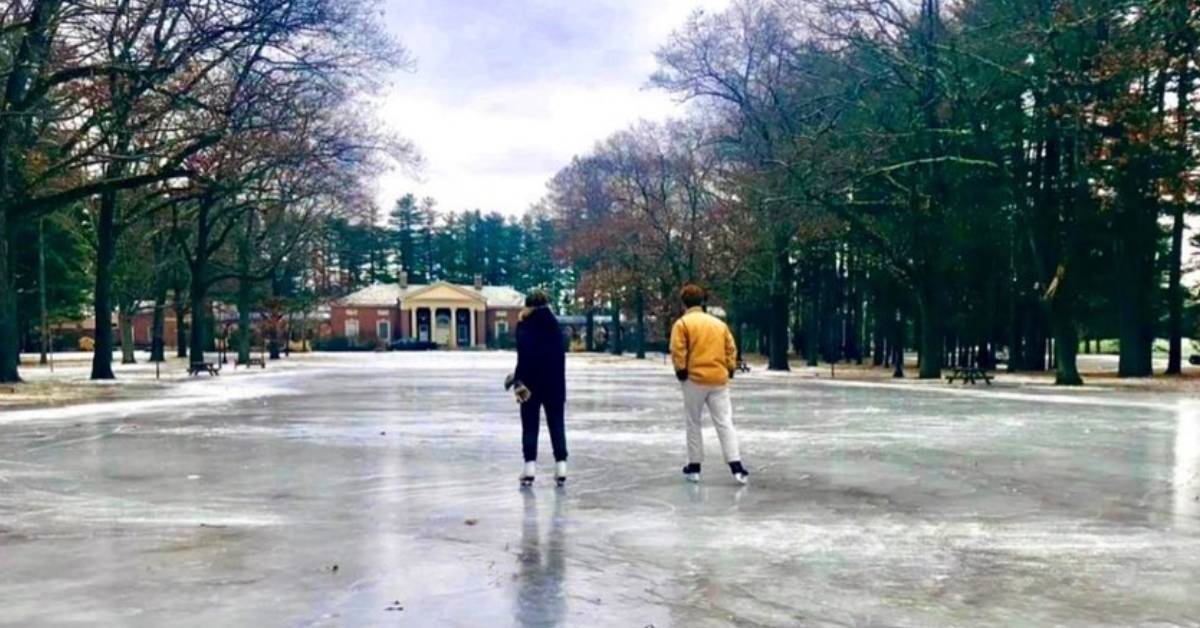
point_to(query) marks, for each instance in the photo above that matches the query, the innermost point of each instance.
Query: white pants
(695, 398)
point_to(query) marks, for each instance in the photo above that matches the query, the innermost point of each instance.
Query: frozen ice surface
(868, 505)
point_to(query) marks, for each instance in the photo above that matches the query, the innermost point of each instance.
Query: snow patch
(189, 394)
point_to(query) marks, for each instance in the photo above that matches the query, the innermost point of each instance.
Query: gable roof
(386, 294)
(469, 293)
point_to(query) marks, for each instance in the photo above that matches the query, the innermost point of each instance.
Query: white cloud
(507, 92)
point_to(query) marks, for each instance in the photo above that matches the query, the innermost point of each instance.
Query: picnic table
(969, 375)
(196, 368)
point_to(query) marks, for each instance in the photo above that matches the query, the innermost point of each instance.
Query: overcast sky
(506, 91)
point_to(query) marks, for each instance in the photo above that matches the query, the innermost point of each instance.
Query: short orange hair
(692, 295)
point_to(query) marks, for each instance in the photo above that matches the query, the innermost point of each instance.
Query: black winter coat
(541, 357)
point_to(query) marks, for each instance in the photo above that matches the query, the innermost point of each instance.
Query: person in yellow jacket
(705, 356)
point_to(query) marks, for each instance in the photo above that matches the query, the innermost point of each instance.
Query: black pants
(531, 418)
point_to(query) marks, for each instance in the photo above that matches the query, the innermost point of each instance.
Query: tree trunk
(932, 336)
(1014, 327)
(158, 324)
(1134, 293)
(1175, 294)
(181, 330)
(590, 339)
(797, 311)
(614, 336)
(199, 325)
(1139, 201)
(1183, 110)
(28, 61)
(1136, 310)
(198, 288)
(9, 337)
(125, 321)
(245, 252)
(879, 322)
(244, 330)
(898, 342)
(1066, 344)
(44, 323)
(830, 302)
(814, 328)
(304, 330)
(106, 249)
(932, 283)
(812, 311)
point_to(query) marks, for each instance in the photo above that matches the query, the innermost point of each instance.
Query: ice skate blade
(694, 478)
(741, 478)
(526, 482)
(560, 482)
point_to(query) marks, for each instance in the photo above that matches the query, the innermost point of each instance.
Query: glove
(522, 393)
(681, 375)
(509, 381)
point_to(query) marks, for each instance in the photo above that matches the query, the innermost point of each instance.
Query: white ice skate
(560, 473)
(691, 473)
(528, 473)
(740, 474)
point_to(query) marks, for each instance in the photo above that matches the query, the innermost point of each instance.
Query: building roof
(503, 296)
(380, 294)
(386, 294)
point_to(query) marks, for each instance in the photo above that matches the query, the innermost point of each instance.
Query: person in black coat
(541, 383)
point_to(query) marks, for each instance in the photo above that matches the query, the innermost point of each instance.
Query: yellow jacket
(702, 344)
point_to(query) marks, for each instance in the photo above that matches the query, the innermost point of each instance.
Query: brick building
(451, 315)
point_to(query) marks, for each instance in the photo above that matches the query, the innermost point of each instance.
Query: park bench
(259, 362)
(196, 368)
(1194, 359)
(969, 375)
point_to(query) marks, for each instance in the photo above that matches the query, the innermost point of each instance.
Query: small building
(451, 315)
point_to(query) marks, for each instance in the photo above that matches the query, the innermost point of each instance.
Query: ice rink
(229, 502)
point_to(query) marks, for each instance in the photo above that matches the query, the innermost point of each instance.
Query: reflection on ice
(1186, 479)
(541, 568)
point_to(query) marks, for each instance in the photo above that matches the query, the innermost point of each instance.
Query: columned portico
(446, 314)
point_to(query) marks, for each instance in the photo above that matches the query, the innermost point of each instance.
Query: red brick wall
(493, 315)
(368, 321)
(405, 325)
(143, 324)
(337, 320)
